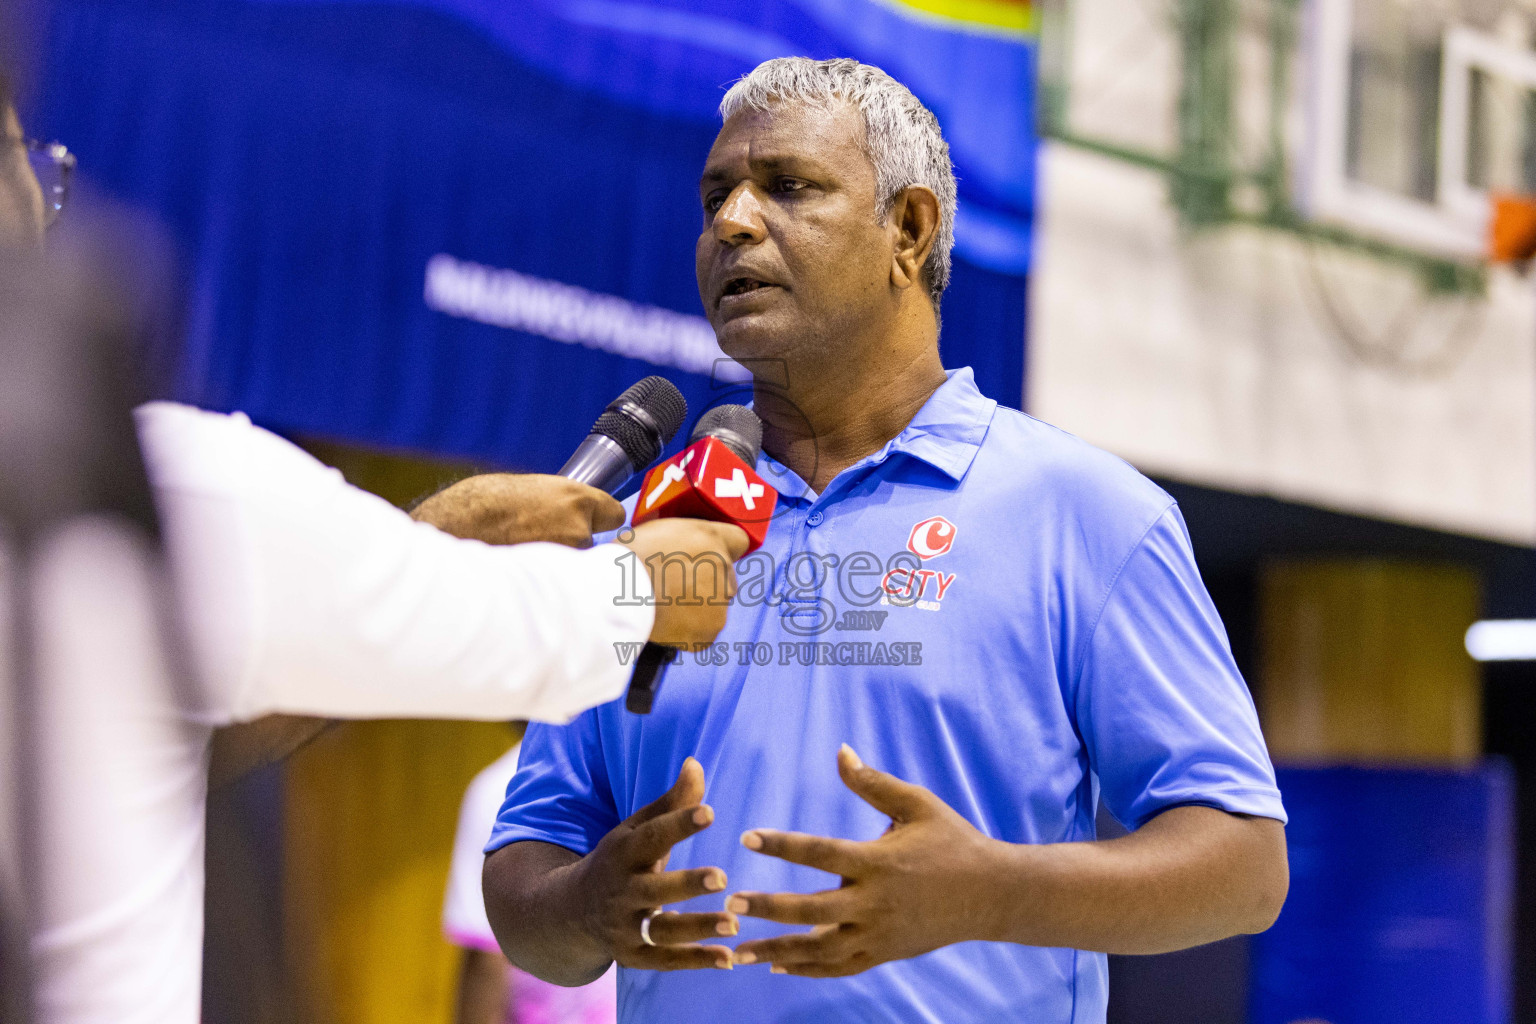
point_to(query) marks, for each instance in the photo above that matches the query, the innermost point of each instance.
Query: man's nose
(740, 220)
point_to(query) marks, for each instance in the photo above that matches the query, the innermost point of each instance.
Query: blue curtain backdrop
(310, 159)
(1401, 902)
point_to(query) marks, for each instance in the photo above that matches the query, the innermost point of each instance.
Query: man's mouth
(743, 285)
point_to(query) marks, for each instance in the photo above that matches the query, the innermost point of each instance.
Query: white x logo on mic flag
(737, 487)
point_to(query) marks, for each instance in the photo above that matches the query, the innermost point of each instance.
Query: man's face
(792, 253)
(21, 197)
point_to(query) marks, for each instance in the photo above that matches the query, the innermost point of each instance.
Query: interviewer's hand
(624, 880)
(693, 577)
(515, 508)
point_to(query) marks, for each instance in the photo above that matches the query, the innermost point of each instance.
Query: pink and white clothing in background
(529, 1000)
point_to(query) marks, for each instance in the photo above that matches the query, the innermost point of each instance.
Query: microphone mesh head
(643, 419)
(737, 427)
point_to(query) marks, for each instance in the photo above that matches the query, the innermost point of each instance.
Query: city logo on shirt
(915, 588)
(921, 588)
(931, 538)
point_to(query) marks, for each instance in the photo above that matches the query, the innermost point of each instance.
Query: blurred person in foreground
(303, 598)
(491, 990)
(1048, 644)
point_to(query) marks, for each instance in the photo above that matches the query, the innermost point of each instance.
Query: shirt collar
(948, 430)
(946, 434)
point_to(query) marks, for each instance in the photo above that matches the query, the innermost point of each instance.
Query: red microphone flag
(707, 480)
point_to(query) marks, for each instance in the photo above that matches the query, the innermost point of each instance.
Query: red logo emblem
(931, 538)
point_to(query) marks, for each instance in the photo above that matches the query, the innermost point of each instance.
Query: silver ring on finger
(645, 927)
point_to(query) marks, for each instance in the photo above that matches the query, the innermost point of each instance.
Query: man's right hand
(516, 508)
(623, 881)
(691, 565)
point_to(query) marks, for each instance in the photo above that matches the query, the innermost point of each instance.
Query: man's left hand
(922, 885)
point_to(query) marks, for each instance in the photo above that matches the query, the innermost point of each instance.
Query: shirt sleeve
(1163, 710)
(306, 595)
(561, 793)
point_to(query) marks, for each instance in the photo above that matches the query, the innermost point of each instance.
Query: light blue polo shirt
(987, 607)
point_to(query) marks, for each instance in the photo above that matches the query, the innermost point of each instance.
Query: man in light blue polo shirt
(1003, 622)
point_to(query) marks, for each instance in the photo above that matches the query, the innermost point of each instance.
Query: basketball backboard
(1417, 111)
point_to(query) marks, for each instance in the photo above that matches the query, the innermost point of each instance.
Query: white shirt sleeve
(305, 595)
(464, 918)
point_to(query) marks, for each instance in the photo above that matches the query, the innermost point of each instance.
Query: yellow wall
(1363, 662)
(370, 816)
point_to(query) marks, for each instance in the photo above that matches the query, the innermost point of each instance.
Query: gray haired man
(1068, 652)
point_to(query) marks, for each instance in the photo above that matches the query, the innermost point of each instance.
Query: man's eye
(713, 202)
(789, 185)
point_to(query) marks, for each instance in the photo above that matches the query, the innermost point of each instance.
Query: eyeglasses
(54, 165)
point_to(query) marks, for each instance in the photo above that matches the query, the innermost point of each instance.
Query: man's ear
(915, 216)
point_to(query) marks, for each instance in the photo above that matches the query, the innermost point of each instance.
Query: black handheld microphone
(739, 429)
(629, 435)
